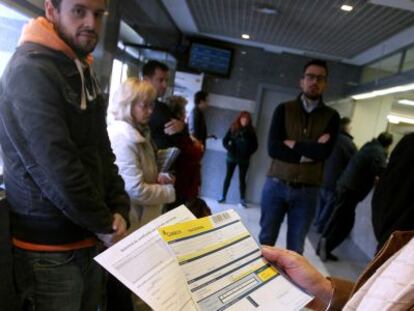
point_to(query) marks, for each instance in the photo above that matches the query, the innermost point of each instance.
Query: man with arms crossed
(302, 135)
(62, 185)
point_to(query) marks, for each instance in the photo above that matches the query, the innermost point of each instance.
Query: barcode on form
(221, 217)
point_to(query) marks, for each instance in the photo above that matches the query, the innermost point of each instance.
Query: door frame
(262, 88)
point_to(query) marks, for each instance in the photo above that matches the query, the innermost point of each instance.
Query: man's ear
(50, 11)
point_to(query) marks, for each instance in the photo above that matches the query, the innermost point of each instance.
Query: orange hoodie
(42, 31)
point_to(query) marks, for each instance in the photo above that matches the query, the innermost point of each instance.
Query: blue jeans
(64, 281)
(279, 199)
(326, 205)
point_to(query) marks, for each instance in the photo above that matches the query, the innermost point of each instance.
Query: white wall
(345, 107)
(370, 118)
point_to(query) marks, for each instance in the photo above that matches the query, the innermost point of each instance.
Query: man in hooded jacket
(63, 188)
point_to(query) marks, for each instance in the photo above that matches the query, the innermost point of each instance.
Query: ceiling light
(391, 90)
(395, 119)
(265, 9)
(406, 102)
(243, 52)
(347, 8)
(245, 36)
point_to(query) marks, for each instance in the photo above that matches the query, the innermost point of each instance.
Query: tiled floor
(352, 259)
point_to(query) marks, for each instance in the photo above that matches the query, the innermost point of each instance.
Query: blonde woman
(135, 152)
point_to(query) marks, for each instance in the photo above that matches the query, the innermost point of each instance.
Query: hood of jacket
(41, 31)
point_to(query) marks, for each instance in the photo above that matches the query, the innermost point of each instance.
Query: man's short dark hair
(199, 97)
(385, 139)
(151, 66)
(316, 62)
(57, 3)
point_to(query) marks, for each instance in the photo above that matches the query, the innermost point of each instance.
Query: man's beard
(81, 51)
(312, 97)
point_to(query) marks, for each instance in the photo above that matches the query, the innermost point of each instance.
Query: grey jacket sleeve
(46, 149)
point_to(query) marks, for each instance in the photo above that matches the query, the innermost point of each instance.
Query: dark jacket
(392, 203)
(59, 172)
(240, 144)
(197, 125)
(291, 121)
(160, 116)
(338, 160)
(364, 166)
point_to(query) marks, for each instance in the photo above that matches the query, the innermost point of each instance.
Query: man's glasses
(312, 77)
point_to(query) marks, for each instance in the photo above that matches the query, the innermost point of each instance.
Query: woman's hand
(165, 179)
(300, 270)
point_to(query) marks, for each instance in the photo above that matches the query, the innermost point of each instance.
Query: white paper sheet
(144, 263)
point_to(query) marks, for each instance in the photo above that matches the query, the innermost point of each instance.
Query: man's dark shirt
(160, 116)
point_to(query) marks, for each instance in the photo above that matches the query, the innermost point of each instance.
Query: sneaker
(222, 200)
(243, 203)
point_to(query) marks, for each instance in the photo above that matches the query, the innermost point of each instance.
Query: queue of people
(75, 184)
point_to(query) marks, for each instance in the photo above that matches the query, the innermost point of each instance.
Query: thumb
(279, 256)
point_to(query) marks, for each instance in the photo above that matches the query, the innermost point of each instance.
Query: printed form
(224, 268)
(144, 263)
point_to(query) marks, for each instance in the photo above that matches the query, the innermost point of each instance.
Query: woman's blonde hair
(130, 91)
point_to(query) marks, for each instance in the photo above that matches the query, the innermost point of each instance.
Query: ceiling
(312, 27)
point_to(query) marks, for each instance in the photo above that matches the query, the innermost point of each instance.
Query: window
(119, 75)
(11, 24)
(383, 68)
(408, 60)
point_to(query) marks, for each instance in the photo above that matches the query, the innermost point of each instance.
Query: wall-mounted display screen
(210, 59)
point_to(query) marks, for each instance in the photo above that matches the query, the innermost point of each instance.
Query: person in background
(392, 202)
(301, 137)
(365, 167)
(188, 164)
(240, 142)
(334, 166)
(165, 129)
(62, 185)
(196, 120)
(136, 154)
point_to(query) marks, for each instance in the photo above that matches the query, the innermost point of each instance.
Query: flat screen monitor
(210, 59)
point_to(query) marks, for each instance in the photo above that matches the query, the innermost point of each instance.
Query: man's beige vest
(302, 126)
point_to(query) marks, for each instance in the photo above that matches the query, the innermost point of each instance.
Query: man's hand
(165, 179)
(119, 226)
(302, 273)
(324, 138)
(290, 143)
(173, 127)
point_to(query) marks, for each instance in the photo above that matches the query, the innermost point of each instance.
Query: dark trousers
(231, 166)
(64, 281)
(118, 296)
(325, 208)
(8, 298)
(342, 220)
(280, 199)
